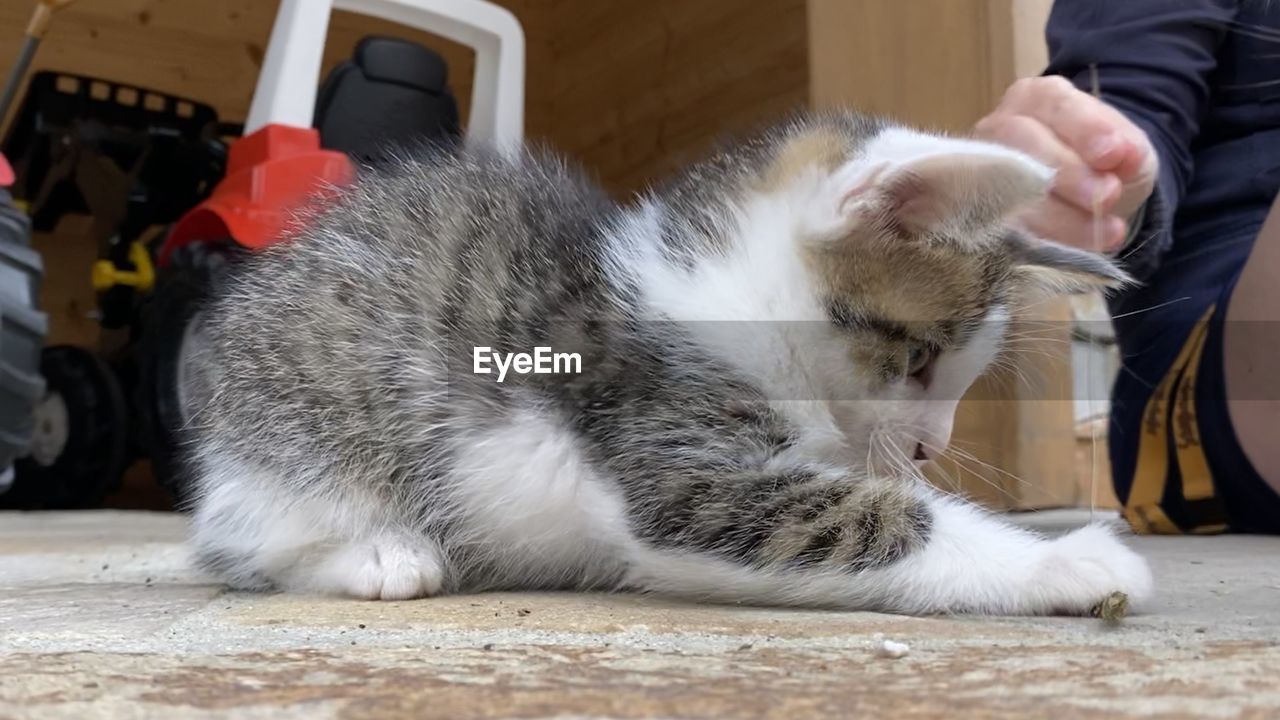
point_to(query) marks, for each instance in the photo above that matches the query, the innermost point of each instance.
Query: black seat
(392, 93)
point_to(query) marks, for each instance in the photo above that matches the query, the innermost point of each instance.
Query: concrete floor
(100, 616)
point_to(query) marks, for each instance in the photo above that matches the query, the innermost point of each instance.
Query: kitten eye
(920, 363)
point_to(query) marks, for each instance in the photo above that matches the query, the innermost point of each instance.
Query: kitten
(768, 347)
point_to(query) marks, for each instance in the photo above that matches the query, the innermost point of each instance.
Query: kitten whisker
(963, 465)
(982, 463)
(1157, 306)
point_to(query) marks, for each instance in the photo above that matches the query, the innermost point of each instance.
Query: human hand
(1102, 159)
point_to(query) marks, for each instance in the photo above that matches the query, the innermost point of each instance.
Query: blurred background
(630, 90)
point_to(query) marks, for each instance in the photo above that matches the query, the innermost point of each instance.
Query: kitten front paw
(383, 570)
(1083, 567)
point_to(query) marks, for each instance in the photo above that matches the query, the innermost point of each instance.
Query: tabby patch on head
(921, 256)
(899, 244)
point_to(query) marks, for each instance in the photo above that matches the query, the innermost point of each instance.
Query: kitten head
(885, 265)
(908, 246)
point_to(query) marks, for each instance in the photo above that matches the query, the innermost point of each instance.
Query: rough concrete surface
(101, 616)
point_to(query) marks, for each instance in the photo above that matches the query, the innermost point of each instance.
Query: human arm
(1155, 59)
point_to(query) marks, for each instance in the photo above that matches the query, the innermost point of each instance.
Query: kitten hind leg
(249, 533)
(380, 568)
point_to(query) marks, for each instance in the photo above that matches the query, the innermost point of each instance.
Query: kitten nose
(922, 454)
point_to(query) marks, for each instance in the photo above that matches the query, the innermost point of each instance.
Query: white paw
(1081, 568)
(383, 570)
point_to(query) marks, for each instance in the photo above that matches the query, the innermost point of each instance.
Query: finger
(1079, 186)
(1131, 158)
(1100, 134)
(1134, 158)
(1060, 222)
(1025, 133)
(1075, 181)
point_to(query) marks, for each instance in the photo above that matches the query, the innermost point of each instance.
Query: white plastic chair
(286, 91)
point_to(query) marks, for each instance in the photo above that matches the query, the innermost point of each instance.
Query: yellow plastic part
(106, 275)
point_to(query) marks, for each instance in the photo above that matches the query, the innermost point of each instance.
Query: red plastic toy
(271, 174)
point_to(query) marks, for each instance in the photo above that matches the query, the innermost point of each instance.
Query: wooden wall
(934, 63)
(627, 88)
(636, 87)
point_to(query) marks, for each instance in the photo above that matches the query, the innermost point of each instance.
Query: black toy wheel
(22, 331)
(171, 334)
(80, 435)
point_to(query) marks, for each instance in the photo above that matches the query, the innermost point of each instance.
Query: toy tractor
(22, 331)
(134, 160)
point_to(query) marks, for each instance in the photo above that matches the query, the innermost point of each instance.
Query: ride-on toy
(293, 148)
(134, 160)
(22, 331)
(22, 325)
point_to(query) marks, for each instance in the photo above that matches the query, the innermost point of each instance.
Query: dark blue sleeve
(1155, 59)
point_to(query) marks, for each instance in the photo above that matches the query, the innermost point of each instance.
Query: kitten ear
(1056, 269)
(925, 184)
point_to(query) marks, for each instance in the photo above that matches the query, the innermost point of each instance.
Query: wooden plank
(640, 88)
(922, 62)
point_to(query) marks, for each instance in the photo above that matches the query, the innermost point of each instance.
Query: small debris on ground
(523, 611)
(892, 649)
(488, 646)
(1113, 608)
